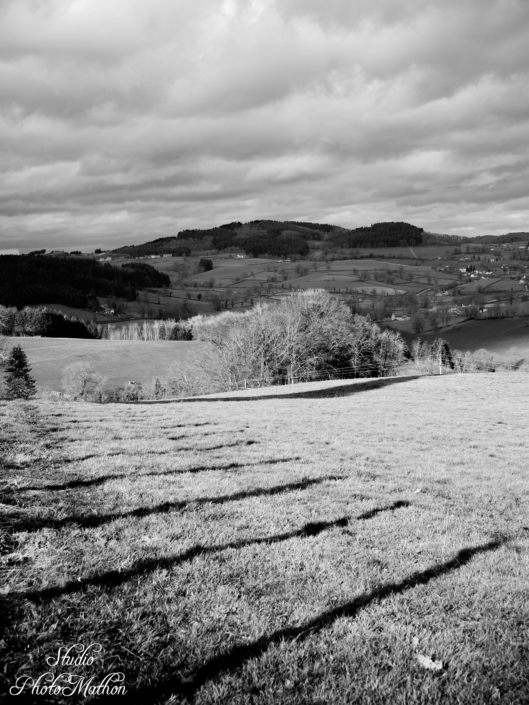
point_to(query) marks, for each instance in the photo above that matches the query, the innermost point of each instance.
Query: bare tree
(4, 347)
(81, 382)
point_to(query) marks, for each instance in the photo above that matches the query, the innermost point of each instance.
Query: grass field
(497, 335)
(119, 360)
(274, 551)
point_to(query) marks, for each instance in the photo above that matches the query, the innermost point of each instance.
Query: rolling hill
(283, 238)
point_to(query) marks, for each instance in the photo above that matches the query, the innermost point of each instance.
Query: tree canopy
(309, 335)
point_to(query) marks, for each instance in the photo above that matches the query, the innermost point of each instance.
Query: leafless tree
(81, 382)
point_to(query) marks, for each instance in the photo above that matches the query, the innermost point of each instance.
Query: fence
(362, 371)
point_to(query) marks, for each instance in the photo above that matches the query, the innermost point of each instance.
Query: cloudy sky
(126, 120)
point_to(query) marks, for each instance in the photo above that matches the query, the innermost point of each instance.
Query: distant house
(399, 316)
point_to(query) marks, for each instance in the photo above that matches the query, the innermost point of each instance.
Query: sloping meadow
(366, 548)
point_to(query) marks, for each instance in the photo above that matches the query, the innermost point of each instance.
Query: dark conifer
(18, 381)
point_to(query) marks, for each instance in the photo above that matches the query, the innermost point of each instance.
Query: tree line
(28, 280)
(162, 245)
(391, 234)
(43, 322)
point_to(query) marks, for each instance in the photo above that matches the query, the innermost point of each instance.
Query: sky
(122, 121)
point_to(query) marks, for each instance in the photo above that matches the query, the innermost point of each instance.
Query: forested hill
(283, 238)
(28, 280)
(277, 238)
(163, 245)
(380, 235)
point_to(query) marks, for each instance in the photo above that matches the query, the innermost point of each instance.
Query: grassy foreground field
(273, 551)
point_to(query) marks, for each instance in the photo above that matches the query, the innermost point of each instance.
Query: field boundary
(303, 390)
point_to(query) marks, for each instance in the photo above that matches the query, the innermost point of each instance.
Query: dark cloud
(128, 118)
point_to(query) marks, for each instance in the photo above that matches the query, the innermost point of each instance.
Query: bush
(205, 265)
(82, 383)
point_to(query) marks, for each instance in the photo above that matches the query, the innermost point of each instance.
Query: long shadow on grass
(342, 390)
(116, 454)
(202, 434)
(74, 484)
(180, 449)
(114, 578)
(236, 657)
(158, 436)
(92, 521)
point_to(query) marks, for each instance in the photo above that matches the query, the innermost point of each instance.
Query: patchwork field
(119, 360)
(371, 548)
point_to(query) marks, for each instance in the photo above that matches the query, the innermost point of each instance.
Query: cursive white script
(85, 655)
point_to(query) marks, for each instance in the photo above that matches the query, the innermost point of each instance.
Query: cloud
(130, 119)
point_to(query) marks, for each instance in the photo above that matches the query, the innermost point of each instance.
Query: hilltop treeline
(43, 322)
(27, 280)
(259, 237)
(276, 245)
(162, 245)
(380, 235)
(318, 227)
(499, 239)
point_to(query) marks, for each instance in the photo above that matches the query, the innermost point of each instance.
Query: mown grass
(275, 551)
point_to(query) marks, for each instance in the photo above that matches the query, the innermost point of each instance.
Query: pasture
(416, 252)
(118, 360)
(496, 335)
(275, 551)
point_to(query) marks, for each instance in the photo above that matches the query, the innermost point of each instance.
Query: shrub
(81, 382)
(205, 265)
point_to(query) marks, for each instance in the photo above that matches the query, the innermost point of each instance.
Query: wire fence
(359, 371)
